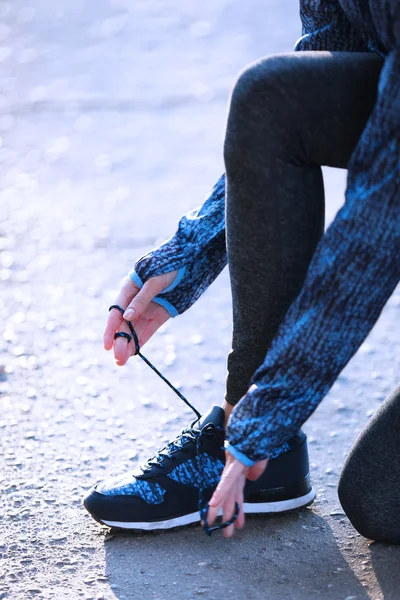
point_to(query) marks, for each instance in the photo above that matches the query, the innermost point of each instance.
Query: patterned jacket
(356, 265)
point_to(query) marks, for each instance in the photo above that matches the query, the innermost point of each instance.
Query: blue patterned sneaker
(164, 493)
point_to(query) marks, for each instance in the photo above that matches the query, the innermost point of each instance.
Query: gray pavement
(111, 122)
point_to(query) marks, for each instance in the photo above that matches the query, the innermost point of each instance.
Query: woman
(303, 301)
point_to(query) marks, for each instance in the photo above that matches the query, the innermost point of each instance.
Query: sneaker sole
(249, 508)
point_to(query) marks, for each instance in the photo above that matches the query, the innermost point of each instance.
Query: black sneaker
(164, 493)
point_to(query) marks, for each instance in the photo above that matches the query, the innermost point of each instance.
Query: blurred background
(121, 106)
(112, 117)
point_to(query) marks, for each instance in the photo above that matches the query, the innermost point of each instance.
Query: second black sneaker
(164, 492)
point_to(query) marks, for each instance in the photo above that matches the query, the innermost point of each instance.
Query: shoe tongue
(215, 415)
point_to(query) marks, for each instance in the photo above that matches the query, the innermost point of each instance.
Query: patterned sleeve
(352, 274)
(197, 250)
(326, 27)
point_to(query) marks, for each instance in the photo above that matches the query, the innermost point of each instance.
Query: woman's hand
(146, 316)
(230, 491)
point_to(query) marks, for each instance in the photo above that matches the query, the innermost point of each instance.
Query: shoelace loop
(203, 504)
(172, 447)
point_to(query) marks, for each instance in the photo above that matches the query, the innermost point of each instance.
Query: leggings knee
(372, 518)
(259, 109)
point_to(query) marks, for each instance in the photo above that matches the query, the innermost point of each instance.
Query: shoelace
(203, 504)
(176, 445)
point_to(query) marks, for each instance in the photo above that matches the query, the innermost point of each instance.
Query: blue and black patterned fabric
(355, 267)
(197, 251)
(187, 473)
(128, 485)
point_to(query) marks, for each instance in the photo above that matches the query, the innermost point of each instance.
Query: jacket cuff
(245, 460)
(170, 308)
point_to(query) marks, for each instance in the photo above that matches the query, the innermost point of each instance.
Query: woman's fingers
(239, 523)
(226, 489)
(122, 348)
(230, 491)
(232, 470)
(136, 302)
(212, 514)
(146, 325)
(141, 301)
(125, 295)
(234, 497)
(228, 511)
(113, 322)
(140, 328)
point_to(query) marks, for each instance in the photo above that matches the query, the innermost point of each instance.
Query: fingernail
(129, 314)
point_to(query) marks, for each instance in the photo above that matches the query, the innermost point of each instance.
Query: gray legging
(289, 115)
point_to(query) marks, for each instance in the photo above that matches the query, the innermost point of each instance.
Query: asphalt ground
(112, 118)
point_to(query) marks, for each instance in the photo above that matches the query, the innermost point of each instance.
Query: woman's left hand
(230, 491)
